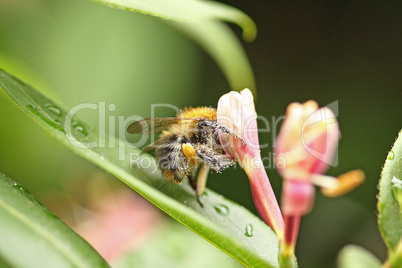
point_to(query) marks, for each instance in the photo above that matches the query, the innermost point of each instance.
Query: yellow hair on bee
(205, 112)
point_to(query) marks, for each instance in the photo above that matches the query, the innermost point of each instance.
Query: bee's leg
(189, 152)
(199, 184)
(193, 183)
(230, 132)
(218, 127)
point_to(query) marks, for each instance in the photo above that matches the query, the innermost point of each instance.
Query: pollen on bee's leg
(189, 152)
(346, 182)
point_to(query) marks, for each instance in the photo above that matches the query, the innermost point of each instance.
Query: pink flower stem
(264, 199)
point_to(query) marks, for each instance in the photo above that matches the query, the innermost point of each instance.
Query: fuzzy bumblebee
(187, 142)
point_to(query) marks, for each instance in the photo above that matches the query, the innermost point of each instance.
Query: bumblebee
(187, 142)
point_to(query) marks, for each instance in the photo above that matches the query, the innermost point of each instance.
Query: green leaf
(225, 49)
(389, 210)
(32, 236)
(188, 11)
(176, 247)
(357, 257)
(225, 224)
(201, 20)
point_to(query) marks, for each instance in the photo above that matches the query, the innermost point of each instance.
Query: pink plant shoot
(306, 143)
(236, 111)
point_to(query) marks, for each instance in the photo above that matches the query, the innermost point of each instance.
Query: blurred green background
(79, 51)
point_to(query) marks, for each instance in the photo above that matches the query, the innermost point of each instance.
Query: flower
(307, 140)
(306, 144)
(236, 112)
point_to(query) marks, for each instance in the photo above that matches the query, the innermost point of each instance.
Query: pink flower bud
(236, 112)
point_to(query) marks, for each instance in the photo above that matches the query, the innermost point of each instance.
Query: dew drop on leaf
(397, 183)
(53, 109)
(391, 155)
(23, 190)
(249, 230)
(79, 128)
(222, 209)
(20, 188)
(34, 110)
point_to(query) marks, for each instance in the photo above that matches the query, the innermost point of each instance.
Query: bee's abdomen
(171, 159)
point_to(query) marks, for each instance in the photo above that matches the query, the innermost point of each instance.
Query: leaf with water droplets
(53, 109)
(249, 230)
(222, 209)
(391, 155)
(390, 197)
(224, 223)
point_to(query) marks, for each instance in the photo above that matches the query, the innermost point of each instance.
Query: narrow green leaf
(225, 49)
(32, 236)
(357, 257)
(188, 11)
(225, 224)
(201, 20)
(389, 200)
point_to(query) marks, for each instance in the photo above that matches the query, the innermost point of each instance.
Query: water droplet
(249, 230)
(33, 109)
(20, 188)
(397, 183)
(391, 155)
(222, 209)
(79, 128)
(53, 109)
(57, 122)
(51, 122)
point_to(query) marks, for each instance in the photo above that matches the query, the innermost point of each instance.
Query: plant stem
(286, 257)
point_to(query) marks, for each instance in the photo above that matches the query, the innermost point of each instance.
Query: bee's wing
(155, 125)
